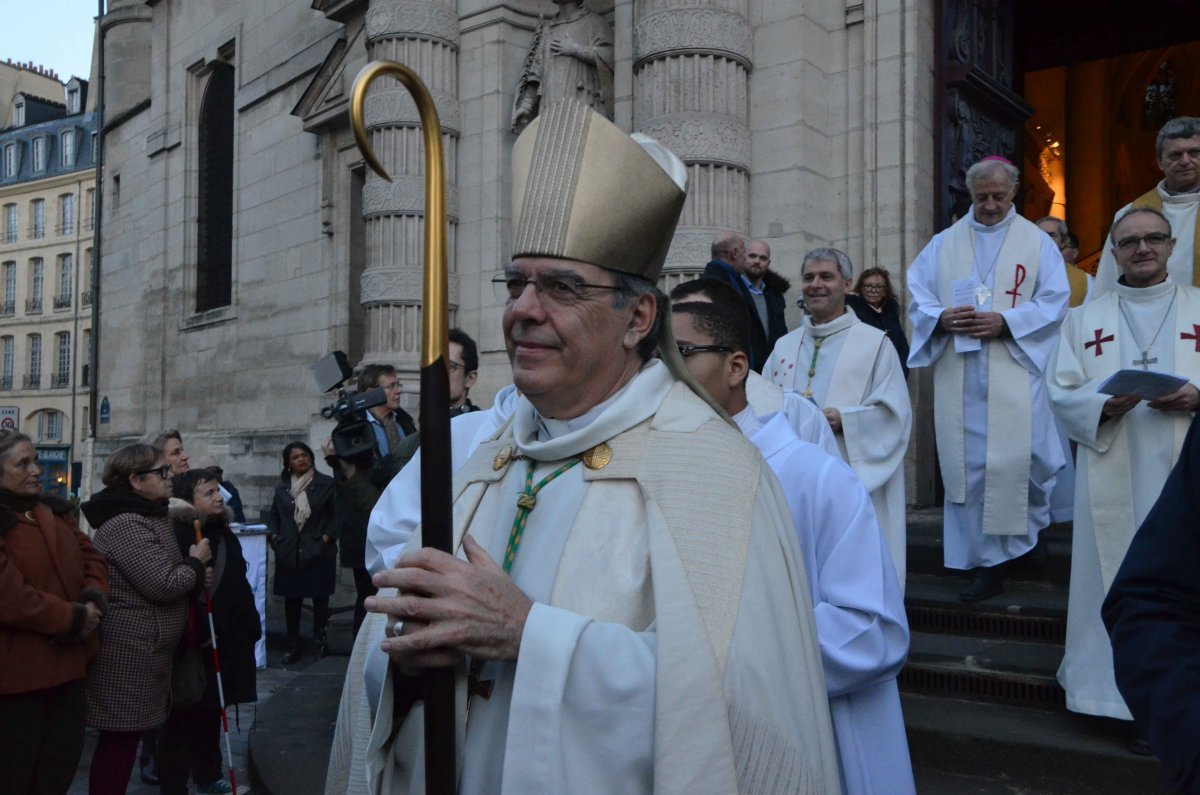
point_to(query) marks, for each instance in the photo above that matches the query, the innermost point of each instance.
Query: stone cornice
(414, 19)
(699, 31)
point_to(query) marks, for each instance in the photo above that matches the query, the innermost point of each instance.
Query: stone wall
(805, 124)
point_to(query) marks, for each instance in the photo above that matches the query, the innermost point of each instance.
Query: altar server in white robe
(851, 371)
(1176, 196)
(804, 417)
(1126, 446)
(861, 624)
(988, 296)
(642, 631)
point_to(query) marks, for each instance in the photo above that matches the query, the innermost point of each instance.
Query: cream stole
(1153, 200)
(851, 372)
(1010, 415)
(1113, 522)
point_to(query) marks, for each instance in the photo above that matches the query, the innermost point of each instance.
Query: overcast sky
(56, 34)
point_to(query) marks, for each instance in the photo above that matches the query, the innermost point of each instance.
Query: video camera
(352, 436)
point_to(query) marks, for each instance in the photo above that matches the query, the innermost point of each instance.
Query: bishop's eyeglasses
(559, 287)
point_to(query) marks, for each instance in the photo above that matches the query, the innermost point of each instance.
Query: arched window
(214, 217)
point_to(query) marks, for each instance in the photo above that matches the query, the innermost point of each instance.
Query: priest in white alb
(1127, 446)
(1177, 197)
(859, 607)
(616, 623)
(988, 296)
(851, 371)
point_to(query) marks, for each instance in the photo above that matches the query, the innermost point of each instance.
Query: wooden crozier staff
(436, 504)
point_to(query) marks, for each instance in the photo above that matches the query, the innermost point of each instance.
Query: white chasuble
(1123, 461)
(998, 448)
(858, 603)
(666, 624)
(1180, 210)
(857, 372)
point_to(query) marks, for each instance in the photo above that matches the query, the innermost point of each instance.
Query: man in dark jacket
(360, 481)
(1152, 613)
(748, 272)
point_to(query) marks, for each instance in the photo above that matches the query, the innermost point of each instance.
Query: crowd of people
(616, 623)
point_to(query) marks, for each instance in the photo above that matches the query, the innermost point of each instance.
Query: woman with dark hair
(302, 532)
(191, 739)
(53, 595)
(129, 685)
(875, 304)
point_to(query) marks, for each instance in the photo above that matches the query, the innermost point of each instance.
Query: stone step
(1030, 750)
(986, 654)
(1029, 611)
(925, 552)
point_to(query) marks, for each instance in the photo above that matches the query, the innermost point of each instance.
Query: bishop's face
(570, 347)
(1142, 247)
(992, 198)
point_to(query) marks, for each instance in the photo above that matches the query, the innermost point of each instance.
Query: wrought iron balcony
(33, 306)
(58, 380)
(33, 381)
(62, 302)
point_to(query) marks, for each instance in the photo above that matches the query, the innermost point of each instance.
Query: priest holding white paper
(997, 445)
(1127, 446)
(851, 370)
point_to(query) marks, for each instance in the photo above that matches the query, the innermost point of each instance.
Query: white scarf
(303, 510)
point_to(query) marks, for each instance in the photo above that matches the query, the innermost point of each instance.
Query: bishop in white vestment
(1127, 447)
(1177, 197)
(616, 624)
(851, 371)
(988, 296)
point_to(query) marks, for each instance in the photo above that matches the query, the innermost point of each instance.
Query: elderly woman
(129, 685)
(53, 594)
(876, 305)
(303, 534)
(191, 739)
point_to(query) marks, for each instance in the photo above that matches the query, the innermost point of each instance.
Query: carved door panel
(979, 113)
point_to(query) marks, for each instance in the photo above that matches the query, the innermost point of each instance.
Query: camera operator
(361, 479)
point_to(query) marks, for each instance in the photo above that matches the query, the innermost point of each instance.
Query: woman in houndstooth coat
(129, 685)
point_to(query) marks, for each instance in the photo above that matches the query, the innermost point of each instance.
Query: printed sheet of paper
(963, 294)
(1146, 384)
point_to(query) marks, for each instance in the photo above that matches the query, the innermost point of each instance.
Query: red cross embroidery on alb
(1195, 335)
(1018, 280)
(1098, 342)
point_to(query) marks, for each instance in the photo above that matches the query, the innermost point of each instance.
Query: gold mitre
(585, 190)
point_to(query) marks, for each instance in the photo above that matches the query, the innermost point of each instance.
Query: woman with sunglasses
(129, 685)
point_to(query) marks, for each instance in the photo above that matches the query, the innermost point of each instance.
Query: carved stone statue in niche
(571, 58)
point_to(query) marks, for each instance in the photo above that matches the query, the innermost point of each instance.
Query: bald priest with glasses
(1127, 444)
(617, 624)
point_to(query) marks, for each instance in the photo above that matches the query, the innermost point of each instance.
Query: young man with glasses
(861, 625)
(464, 367)
(1127, 444)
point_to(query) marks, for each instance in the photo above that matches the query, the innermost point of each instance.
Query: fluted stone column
(423, 35)
(691, 68)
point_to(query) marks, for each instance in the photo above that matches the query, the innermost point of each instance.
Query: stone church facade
(802, 123)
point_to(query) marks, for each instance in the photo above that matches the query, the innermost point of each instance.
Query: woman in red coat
(53, 594)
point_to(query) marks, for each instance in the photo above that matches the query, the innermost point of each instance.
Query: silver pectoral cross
(1145, 362)
(982, 294)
